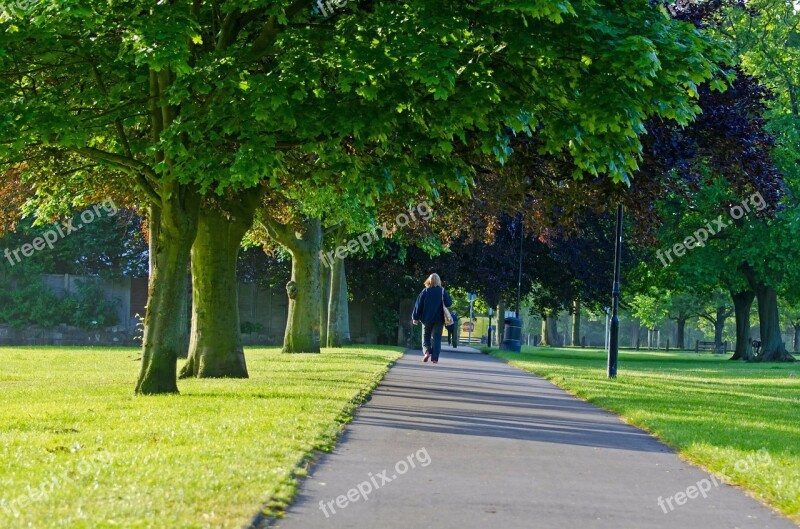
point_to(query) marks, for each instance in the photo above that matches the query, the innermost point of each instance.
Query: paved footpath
(475, 443)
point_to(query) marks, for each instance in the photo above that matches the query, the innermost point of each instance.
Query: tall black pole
(519, 277)
(613, 349)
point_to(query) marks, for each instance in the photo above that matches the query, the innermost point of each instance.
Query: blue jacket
(428, 309)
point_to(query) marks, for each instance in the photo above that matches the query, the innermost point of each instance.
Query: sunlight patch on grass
(713, 412)
(73, 434)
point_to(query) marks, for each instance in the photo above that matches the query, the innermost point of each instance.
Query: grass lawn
(716, 413)
(78, 450)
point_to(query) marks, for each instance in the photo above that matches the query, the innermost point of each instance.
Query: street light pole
(519, 277)
(489, 335)
(471, 298)
(613, 350)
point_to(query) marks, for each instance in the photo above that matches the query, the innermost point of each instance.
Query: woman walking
(429, 310)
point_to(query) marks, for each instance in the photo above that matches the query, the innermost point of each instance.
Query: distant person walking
(452, 330)
(429, 310)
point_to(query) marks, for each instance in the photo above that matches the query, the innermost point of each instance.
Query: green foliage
(25, 300)
(380, 98)
(88, 308)
(766, 37)
(461, 303)
(109, 246)
(385, 319)
(651, 308)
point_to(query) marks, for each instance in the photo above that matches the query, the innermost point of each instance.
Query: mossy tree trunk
(742, 304)
(173, 227)
(549, 330)
(303, 326)
(325, 289)
(185, 316)
(772, 347)
(338, 310)
(173, 217)
(215, 348)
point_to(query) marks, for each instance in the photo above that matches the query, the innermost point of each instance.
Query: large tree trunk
(173, 228)
(325, 294)
(797, 337)
(576, 324)
(549, 330)
(215, 348)
(305, 295)
(742, 304)
(544, 340)
(772, 347)
(338, 312)
(186, 317)
(680, 338)
(344, 307)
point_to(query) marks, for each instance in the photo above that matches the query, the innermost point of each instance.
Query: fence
(263, 312)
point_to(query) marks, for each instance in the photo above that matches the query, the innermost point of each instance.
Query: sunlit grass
(714, 412)
(208, 458)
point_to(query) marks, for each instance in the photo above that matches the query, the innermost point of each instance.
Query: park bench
(708, 346)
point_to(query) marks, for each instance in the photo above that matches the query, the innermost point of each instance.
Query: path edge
(269, 514)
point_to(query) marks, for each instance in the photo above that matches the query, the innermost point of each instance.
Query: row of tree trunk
(206, 240)
(772, 347)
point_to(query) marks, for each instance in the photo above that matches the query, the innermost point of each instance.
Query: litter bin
(512, 335)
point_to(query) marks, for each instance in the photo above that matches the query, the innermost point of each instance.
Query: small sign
(472, 297)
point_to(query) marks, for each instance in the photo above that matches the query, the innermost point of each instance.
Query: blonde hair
(433, 281)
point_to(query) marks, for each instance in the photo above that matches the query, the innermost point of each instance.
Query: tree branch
(271, 29)
(282, 233)
(128, 165)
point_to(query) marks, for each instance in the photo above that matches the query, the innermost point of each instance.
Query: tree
(186, 101)
(215, 348)
(716, 313)
(791, 317)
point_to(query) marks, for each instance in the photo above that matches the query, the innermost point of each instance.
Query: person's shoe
(426, 356)
(434, 361)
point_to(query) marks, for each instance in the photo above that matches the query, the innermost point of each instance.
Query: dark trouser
(432, 339)
(452, 335)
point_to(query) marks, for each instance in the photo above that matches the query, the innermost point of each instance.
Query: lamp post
(519, 277)
(471, 298)
(613, 350)
(489, 336)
